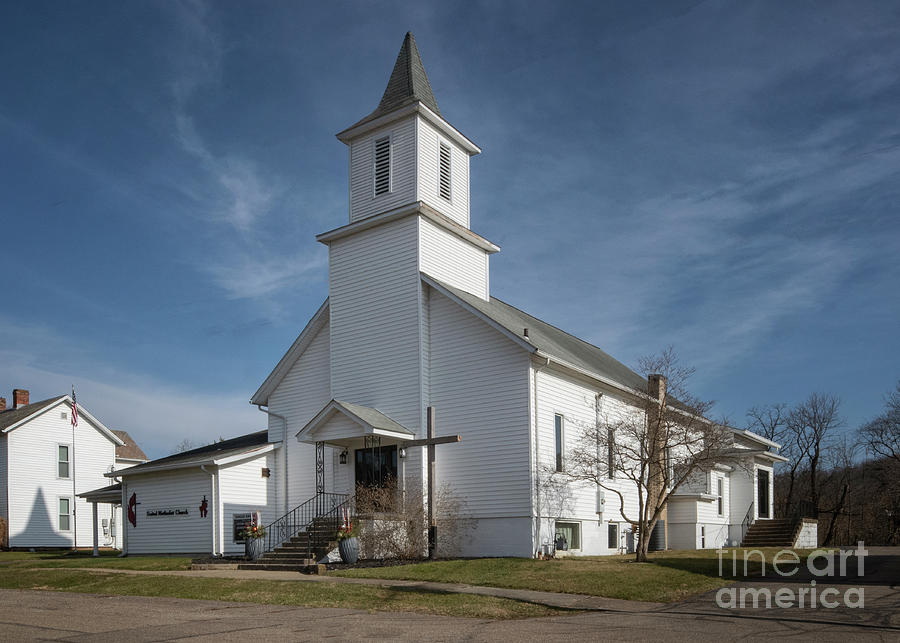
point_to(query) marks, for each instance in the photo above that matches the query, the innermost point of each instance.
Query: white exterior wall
(34, 487)
(3, 469)
(428, 140)
(303, 392)
(181, 488)
(375, 333)
(808, 538)
(363, 202)
(449, 258)
(479, 388)
(574, 399)
(243, 489)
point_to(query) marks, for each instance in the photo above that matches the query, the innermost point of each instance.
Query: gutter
(284, 442)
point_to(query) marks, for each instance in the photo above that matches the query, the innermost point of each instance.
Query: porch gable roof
(370, 421)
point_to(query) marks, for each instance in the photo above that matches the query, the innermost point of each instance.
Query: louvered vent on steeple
(382, 166)
(444, 187)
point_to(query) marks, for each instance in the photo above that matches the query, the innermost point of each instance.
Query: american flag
(74, 409)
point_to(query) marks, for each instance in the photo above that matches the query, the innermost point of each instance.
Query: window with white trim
(444, 173)
(702, 536)
(381, 166)
(568, 535)
(612, 536)
(558, 433)
(65, 514)
(62, 460)
(720, 495)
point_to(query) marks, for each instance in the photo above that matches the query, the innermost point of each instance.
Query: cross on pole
(431, 442)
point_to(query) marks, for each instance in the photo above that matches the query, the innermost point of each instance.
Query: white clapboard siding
(4, 513)
(35, 487)
(243, 489)
(374, 304)
(574, 399)
(179, 489)
(453, 260)
(428, 141)
(479, 388)
(363, 202)
(303, 392)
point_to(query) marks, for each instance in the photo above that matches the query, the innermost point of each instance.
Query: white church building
(410, 325)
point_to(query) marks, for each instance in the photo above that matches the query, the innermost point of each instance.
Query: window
(702, 537)
(65, 515)
(239, 524)
(382, 165)
(611, 453)
(568, 536)
(558, 420)
(62, 460)
(376, 466)
(613, 536)
(444, 182)
(720, 496)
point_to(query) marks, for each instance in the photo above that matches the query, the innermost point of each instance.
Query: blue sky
(721, 177)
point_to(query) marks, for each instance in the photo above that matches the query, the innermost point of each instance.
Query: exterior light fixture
(344, 456)
(402, 452)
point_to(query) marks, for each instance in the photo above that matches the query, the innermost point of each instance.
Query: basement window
(702, 537)
(568, 536)
(444, 182)
(382, 165)
(239, 524)
(612, 536)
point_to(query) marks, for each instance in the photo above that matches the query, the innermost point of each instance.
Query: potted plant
(348, 542)
(253, 540)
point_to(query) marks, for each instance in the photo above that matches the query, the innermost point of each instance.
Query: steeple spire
(408, 83)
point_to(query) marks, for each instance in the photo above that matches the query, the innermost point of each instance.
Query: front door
(376, 466)
(762, 492)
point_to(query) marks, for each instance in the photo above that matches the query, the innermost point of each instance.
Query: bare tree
(812, 423)
(769, 421)
(882, 435)
(663, 444)
(185, 445)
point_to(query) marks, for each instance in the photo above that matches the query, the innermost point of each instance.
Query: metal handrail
(322, 510)
(747, 521)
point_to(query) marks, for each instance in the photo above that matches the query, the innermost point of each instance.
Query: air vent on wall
(445, 172)
(383, 165)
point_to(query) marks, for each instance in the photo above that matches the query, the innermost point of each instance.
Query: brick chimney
(20, 397)
(2, 403)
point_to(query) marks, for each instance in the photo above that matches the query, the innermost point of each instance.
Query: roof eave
(414, 208)
(417, 107)
(261, 397)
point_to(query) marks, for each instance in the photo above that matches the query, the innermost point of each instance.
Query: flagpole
(74, 497)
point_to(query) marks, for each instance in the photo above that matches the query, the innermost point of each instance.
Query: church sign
(167, 511)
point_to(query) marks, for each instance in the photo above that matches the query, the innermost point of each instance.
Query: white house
(46, 463)
(410, 325)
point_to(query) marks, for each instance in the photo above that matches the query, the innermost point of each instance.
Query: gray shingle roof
(408, 83)
(550, 340)
(373, 417)
(11, 416)
(215, 451)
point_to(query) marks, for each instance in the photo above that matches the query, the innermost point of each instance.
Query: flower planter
(349, 549)
(253, 548)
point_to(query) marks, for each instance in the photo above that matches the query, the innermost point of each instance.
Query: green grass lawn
(110, 559)
(669, 577)
(305, 594)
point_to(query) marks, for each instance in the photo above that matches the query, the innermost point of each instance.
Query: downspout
(214, 501)
(284, 448)
(537, 458)
(124, 519)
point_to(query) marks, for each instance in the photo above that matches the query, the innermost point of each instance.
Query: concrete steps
(771, 533)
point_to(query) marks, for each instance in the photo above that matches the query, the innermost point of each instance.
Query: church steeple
(404, 152)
